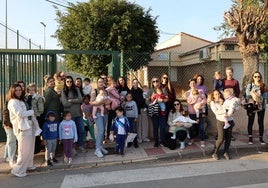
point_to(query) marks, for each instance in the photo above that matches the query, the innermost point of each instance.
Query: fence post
(122, 72)
(169, 64)
(18, 39)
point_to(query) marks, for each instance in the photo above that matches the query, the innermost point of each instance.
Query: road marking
(260, 185)
(158, 173)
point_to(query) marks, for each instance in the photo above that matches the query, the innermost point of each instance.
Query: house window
(229, 47)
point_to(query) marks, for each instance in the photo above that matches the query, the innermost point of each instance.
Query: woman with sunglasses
(166, 85)
(256, 85)
(159, 121)
(71, 99)
(181, 130)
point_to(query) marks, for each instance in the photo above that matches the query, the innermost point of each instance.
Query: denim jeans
(80, 130)
(100, 123)
(159, 122)
(197, 128)
(11, 145)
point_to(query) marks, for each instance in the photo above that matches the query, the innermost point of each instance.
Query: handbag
(153, 109)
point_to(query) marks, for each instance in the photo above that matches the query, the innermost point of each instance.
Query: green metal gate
(32, 65)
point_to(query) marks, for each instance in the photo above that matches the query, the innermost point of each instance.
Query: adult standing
(100, 120)
(200, 83)
(23, 129)
(230, 82)
(166, 85)
(113, 93)
(182, 131)
(191, 101)
(159, 120)
(256, 85)
(122, 87)
(137, 94)
(223, 134)
(11, 145)
(79, 84)
(71, 99)
(52, 100)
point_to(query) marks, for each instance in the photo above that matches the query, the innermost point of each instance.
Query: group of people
(69, 110)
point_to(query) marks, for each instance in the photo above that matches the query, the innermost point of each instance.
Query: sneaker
(31, 168)
(49, 163)
(54, 160)
(202, 144)
(250, 140)
(139, 141)
(261, 141)
(17, 174)
(173, 137)
(226, 125)
(215, 156)
(226, 156)
(146, 140)
(11, 164)
(65, 160)
(98, 153)
(182, 145)
(70, 161)
(104, 151)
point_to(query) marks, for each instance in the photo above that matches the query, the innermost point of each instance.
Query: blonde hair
(229, 91)
(31, 85)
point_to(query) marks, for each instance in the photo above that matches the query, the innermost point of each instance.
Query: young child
(67, 135)
(231, 104)
(59, 83)
(217, 82)
(159, 94)
(120, 128)
(199, 106)
(86, 108)
(35, 102)
(50, 136)
(113, 92)
(100, 97)
(131, 112)
(87, 86)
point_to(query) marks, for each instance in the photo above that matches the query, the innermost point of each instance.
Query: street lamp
(42, 23)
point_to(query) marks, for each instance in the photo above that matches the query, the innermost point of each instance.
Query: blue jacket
(117, 123)
(50, 129)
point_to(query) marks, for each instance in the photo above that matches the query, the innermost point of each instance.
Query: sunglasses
(155, 81)
(166, 78)
(176, 104)
(257, 77)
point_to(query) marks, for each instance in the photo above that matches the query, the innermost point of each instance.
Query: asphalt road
(243, 171)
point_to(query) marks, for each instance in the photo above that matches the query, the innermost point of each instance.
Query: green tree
(104, 25)
(248, 21)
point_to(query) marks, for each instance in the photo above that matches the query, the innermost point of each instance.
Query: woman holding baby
(257, 92)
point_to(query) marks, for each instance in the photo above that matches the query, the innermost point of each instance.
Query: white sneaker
(98, 153)
(65, 160)
(146, 140)
(31, 168)
(226, 126)
(11, 164)
(173, 137)
(17, 174)
(104, 151)
(139, 141)
(70, 161)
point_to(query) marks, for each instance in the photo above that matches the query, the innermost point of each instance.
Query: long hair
(72, 89)
(12, 90)
(262, 84)
(169, 87)
(173, 110)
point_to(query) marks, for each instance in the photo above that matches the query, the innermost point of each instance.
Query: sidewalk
(146, 151)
